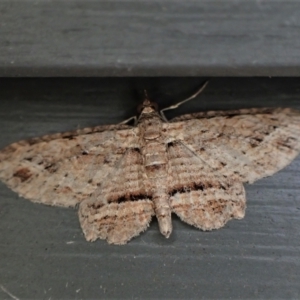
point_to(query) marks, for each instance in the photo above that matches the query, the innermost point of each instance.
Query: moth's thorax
(154, 149)
(150, 125)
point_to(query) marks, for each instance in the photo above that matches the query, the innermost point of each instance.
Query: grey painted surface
(43, 254)
(149, 38)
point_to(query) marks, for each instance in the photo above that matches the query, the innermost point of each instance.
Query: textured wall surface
(149, 38)
(44, 255)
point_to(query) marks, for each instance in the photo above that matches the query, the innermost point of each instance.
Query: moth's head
(147, 106)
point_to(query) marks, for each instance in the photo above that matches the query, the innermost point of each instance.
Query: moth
(120, 176)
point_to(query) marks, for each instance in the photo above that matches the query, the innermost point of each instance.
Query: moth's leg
(181, 102)
(128, 120)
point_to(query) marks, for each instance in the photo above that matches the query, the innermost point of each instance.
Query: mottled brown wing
(121, 207)
(116, 222)
(64, 168)
(245, 144)
(201, 196)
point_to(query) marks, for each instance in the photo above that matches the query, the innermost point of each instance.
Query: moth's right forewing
(64, 169)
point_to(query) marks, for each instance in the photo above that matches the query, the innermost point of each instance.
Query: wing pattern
(63, 169)
(199, 195)
(121, 207)
(246, 144)
(121, 176)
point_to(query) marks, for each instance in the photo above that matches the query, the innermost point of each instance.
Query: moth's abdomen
(155, 153)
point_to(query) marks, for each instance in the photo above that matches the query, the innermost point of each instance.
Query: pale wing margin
(64, 168)
(247, 144)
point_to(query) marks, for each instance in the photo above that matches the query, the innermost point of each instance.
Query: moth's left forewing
(246, 144)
